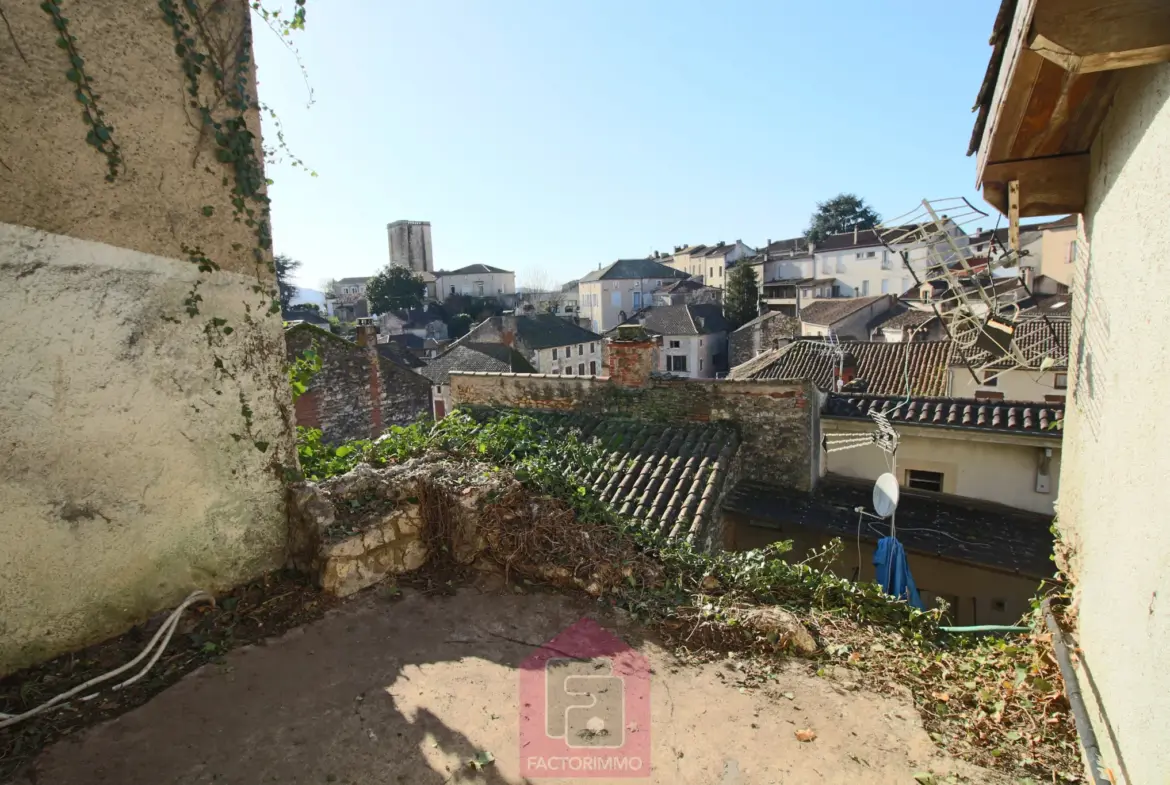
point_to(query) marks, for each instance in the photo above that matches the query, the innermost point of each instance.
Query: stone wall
(130, 474)
(358, 393)
(778, 420)
(759, 336)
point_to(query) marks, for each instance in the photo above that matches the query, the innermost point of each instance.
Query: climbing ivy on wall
(215, 53)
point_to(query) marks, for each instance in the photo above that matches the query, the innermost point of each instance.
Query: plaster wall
(1117, 451)
(122, 483)
(994, 467)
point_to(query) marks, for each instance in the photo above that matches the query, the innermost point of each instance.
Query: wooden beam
(1014, 216)
(1102, 61)
(1087, 28)
(1047, 186)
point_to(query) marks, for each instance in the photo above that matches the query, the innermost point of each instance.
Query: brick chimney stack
(632, 356)
(367, 335)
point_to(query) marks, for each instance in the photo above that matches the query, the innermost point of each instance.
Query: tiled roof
(883, 365)
(635, 268)
(1037, 336)
(669, 477)
(1010, 416)
(942, 525)
(835, 242)
(686, 319)
(397, 353)
(407, 340)
(476, 357)
(1068, 222)
(545, 330)
(829, 312)
(358, 279)
(793, 326)
(472, 269)
(792, 247)
(901, 317)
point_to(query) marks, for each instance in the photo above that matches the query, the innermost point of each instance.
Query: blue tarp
(893, 572)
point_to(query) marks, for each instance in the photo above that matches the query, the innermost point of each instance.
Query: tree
(840, 214)
(395, 289)
(741, 296)
(459, 325)
(286, 266)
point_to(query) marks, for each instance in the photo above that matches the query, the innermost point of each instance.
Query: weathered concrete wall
(358, 393)
(753, 339)
(122, 483)
(778, 420)
(1114, 494)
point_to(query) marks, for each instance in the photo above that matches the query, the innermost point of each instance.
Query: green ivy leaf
(227, 331)
(261, 446)
(208, 210)
(72, 75)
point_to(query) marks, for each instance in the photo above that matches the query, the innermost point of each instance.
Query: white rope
(164, 632)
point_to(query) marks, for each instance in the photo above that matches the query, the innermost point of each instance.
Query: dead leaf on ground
(807, 734)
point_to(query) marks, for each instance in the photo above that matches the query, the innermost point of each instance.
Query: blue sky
(550, 137)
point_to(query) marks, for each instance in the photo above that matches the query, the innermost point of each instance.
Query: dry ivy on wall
(213, 43)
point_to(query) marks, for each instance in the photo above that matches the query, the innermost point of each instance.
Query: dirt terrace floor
(411, 688)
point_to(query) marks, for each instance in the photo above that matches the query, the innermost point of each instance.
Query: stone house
(465, 357)
(610, 295)
(693, 339)
(771, 330)
(708, 263)
(549, 343)
(476, 280)
(1074, 119)
(359, 392)
(847, 317)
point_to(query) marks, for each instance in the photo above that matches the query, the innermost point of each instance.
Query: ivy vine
(100, 134)
(216, 61)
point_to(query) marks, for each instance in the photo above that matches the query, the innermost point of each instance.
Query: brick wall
(777, 420)
(357, 394)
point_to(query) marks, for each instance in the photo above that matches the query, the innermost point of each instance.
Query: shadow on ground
(410, 689)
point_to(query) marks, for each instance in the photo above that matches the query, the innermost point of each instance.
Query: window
(1060, 381)
(581, 368)
(700, 364)
(925, 295)
(806, 292)
(637, 300)
(1054, 399)
(990, 379)
(556, 371)
(479, 287)
(593, 368)
(1072, 253)
(568, 370)
(675, 344)
(885, 286)
(865, 288)
(452, 290)
(924, 481)
(592, 349)
(615, 299)
(700, 342)
(580, 349)
(438, 388)
(710, 272)
(988, 395)
(676, 363)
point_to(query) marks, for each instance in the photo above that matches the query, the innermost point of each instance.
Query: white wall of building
(576, 359)
(698, 350)
(476, 284)
(1018, 385)
(1114, 487)
(602, 302)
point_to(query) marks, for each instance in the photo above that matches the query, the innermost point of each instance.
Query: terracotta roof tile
(667, 476)
(883, 365)
(1009, 416)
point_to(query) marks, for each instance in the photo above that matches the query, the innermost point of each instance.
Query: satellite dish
(885, 495)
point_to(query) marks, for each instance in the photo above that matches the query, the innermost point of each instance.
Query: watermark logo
(585, 707)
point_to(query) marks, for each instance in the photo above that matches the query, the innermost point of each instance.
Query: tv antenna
(980, 312)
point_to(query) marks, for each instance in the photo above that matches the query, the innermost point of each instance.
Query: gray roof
(686, 319)
(1028, 417)
(545, 330)
(794, 325)
(492, 357)
(634, 268)
(359, 279)
(936, 524)
(472, 269)
(829, 312)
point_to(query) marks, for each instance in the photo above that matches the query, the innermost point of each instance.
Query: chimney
(632, 356)
(367, 335)
(855, 234)
(846, 371)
